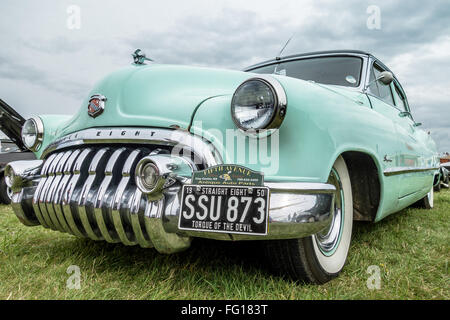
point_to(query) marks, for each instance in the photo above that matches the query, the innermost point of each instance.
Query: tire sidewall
(430, 199)
(330, 266)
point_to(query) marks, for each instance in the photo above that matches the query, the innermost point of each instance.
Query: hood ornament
(96, 105)
(139, 57)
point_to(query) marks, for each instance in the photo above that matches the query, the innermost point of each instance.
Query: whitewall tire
(321, 257)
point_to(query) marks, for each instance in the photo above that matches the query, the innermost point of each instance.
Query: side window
(384, 90)
(373, 88)
(400, 100)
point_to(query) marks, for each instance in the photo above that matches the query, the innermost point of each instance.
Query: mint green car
(289, 152)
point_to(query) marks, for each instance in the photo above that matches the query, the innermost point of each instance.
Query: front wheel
(320, 257)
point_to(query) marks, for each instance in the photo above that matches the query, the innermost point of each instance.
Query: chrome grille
(90, 192)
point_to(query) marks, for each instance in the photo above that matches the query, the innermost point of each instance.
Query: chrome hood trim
(181, 140)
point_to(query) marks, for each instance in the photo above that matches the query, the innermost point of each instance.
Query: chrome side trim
(401, 170)
(300, 187)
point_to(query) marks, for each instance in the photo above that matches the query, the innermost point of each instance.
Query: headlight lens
(259, 103)
(32, 133)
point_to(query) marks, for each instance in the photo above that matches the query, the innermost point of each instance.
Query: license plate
(226, 209)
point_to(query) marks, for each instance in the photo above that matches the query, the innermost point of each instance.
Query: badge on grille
(96, 105)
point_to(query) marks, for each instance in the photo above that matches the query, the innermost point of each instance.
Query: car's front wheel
(320, 257)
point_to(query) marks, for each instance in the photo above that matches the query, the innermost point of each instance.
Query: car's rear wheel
(321, 257)
(446, 181)
(5, 192)
(437, 187)
(427, 202)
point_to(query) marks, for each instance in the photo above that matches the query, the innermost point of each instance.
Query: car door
(412, 149)
(408, 152)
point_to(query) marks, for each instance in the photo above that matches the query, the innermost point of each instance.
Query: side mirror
(386, 77)
(404, 114)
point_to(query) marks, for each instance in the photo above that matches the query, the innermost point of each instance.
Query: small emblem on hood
(139, 57)
(96, 105)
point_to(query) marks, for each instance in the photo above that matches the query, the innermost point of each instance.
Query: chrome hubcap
(328, 239)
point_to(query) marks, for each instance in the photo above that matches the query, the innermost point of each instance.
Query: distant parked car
(442, 179)
(11, 149)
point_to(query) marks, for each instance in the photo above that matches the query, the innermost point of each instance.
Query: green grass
(411, 249)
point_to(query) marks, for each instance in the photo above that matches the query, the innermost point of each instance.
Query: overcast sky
(46, 67)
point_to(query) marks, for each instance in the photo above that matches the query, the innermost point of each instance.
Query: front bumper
(86, 188)
(126, 215)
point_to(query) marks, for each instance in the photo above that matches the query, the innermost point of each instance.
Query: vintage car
(442, 180)
(289, 151)
(11, 149)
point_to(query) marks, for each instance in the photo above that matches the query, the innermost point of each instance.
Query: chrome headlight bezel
(39, 133)
(280, 105)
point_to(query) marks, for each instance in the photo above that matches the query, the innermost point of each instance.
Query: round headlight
(259, 103)
(32, 133)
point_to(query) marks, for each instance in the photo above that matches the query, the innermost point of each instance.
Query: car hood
(11, 124)
(154, 95)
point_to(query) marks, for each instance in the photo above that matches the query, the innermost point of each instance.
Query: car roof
(307, 54)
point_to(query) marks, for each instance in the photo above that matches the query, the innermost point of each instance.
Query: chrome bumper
(69, 193)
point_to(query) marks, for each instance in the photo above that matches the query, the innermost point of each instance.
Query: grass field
(411, 248)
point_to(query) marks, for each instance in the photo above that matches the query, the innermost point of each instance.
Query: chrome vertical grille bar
(95, 173)
(59, 223)
(101, 201)
(137, 210)
(67, 174)
(51, 175)
(80, 165)
(121, 200)
(38, 191)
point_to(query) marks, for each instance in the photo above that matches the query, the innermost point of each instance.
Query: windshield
(340, 71)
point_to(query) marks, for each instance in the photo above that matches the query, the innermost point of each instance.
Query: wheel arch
(366, 178)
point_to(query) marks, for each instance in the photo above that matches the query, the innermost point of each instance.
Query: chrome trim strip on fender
(400, 170)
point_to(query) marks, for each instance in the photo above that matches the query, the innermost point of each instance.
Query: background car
(11, 149)
(442, 179)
